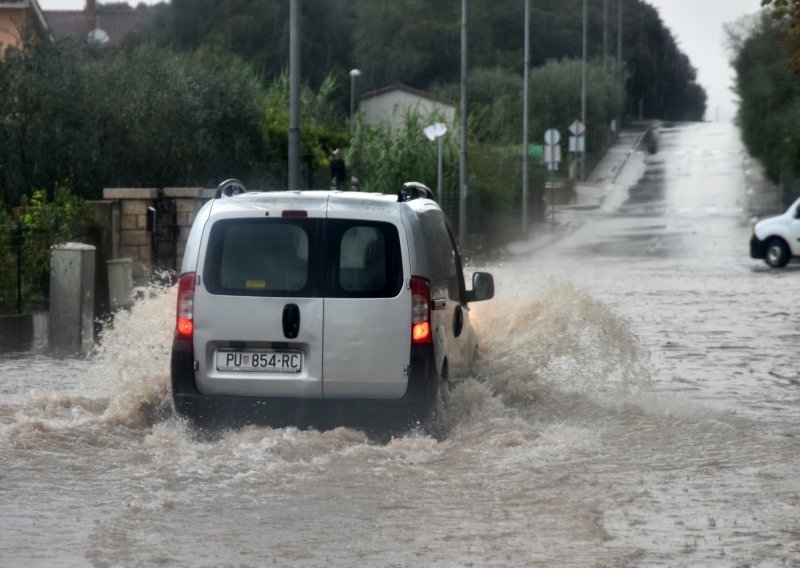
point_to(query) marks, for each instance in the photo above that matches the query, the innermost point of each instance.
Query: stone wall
(188, 201)
(131, 225)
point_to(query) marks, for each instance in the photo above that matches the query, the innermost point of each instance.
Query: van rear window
(362, 259)
(257, 257)
(303, 258)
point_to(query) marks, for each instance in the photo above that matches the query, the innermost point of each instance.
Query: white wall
(393, 105)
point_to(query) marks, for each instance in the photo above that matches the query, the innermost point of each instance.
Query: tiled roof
(407, 89)
(74, 24)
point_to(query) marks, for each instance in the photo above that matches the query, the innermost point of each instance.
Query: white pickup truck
(777, 239)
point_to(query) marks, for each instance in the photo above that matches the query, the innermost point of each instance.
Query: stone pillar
(135, 241)
(188, 201)
(71, 316)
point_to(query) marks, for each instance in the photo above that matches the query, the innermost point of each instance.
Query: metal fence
(25, 274)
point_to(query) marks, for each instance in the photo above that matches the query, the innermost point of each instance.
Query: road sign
(577, 144)
(577, 128)
(552, 153)
(536, 150)
(552, 136)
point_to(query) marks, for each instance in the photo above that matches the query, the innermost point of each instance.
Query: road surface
(637, 405)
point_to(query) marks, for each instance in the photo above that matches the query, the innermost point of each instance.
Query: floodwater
(637, 405)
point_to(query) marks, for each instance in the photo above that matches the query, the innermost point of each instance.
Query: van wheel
(777, 253)
(434, 392)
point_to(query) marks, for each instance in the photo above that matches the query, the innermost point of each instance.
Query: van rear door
(258, 307)
(367, 326)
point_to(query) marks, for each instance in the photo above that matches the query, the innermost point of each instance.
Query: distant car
(315, 305)
(777, 239)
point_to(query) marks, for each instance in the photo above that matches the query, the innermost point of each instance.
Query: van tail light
(185, 324)
(421, 310)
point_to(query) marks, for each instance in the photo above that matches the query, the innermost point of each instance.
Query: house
(103, 25)
(20, 17)
(392, 103)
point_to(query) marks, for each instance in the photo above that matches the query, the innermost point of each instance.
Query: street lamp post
(462, 167)
(294, 96)
(583, 88)
(525, 81)
(353, 74)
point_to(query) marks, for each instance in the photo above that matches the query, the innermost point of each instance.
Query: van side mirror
(482, 287)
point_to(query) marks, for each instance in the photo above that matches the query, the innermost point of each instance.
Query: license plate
(259, 360)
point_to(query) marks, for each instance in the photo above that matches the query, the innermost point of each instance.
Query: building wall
(394, 105)
(11, 21)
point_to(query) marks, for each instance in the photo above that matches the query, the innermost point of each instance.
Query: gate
(161, 222)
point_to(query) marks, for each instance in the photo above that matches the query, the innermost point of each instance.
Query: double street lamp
(433, 132)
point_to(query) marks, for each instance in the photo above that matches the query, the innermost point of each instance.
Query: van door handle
(291, 321)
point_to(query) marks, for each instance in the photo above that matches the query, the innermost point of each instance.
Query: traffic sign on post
(552, 149)
(552, 136)
(577, 128)
(577, 144)
(552, 156)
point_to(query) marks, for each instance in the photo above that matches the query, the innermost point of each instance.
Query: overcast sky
(79, 4)
(696, 24)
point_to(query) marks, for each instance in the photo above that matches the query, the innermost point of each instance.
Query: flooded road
(637, 405)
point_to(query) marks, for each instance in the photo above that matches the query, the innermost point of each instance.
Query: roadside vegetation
(203, 95)
(766, 52)
(26, 237)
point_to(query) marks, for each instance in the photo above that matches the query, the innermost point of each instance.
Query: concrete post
(71, 319)
(120, 282)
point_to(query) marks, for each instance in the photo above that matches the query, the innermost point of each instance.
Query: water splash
(557, 338)
(132, 359)
(554, 339)
(123, 382)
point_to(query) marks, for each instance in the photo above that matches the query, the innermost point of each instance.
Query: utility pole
(619, 64)
(462, 173)
(619, 34)
(583, 87)
(294, 95)
(525, 123)
(605, 34)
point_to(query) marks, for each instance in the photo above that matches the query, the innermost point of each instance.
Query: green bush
(27, 236)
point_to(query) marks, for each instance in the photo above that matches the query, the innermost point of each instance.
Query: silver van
(315, 306)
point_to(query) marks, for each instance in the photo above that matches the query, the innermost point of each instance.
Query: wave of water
(555, 340)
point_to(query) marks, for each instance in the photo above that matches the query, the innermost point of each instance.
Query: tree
(417, 42)
(141, 116)
(769, 111)
(258, 32)
(788, 12)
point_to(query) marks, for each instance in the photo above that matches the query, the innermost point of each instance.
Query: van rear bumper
(212, 411)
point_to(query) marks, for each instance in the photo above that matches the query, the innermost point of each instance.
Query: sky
(79, 4)
(697, 25)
